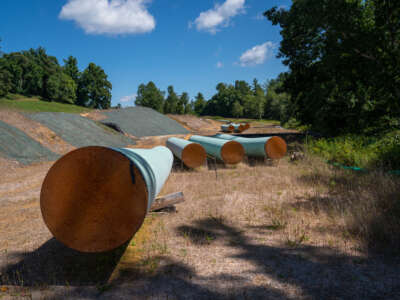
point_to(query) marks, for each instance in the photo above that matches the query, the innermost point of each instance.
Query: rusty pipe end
(93, 199)
(276, 147)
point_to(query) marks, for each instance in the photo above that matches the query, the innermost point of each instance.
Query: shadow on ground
(55, 264)
(320, 272)
(315, 272)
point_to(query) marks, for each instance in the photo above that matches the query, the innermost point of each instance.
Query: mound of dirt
(143, 121)
(16, 145)
(79, 131)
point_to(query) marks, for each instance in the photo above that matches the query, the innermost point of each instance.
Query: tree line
(238, 100)
(35, 73)
(343, 58)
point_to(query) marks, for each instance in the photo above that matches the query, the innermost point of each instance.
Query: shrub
(361, 151)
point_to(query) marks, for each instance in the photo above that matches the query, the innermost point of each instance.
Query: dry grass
(281, 231)
(269, 230)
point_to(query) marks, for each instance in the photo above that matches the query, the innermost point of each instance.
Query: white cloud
(126, 99)
(109, 16)
(256, 55)
(220, 15)
(219, 65)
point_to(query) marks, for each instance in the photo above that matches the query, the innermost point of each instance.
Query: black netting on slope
(142, 121)
(15, 144)
(80, 131)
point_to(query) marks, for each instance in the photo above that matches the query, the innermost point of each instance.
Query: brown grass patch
(280, 232)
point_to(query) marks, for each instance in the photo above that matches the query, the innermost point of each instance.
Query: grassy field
(34, 104)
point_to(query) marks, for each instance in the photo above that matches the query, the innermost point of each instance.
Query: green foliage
(171, 103)
(182, 103)
(361, 151)
(189, 108)
(34, 72)
(71, 68)
(61, 88)
(277, 101)
(343, 59)
(199, 104)
(150, 96)
(5, 80)
(237, 110)
(94, 90)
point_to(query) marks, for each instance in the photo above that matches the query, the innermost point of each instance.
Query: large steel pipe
(238, 127)
(191, 154)
(273, 147)
(227, 128)
(94, 199)
(230, 152)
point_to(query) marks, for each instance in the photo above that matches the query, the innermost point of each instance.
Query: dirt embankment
(197, 125)
(36, 131)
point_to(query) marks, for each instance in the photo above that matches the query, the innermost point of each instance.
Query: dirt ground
(197, 125)
(258, 230)
(206, 126)
(254, 231)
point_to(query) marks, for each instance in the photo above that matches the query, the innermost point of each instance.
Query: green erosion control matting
(15, 144)
(142, 121)
(80, 131)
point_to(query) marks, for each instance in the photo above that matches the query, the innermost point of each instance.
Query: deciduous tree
(94, 89)
(150, 96)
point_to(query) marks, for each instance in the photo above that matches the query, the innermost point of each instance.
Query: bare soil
(95, 115)
(206, 126)
(197, 125)
(254, 231)
(258, 230)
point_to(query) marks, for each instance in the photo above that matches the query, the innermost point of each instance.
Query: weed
(277, 224)
(297, 240)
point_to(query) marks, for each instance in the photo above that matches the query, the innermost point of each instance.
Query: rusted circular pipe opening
(93, 199)
(194, 155)
(241, 128)
(232, 152)
(275, 147)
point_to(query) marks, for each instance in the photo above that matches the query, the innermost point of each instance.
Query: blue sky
(192, 45)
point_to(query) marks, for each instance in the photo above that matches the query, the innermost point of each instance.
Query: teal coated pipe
(155, 166)
(272, 147)
(238, 127)
(227, 128)
(231, 152)
(94, 199)
(193, 155)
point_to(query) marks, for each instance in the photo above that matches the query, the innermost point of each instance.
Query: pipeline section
(94, 199)
(230, 152)
(193, 155)
(272, 147)
(227, 128)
